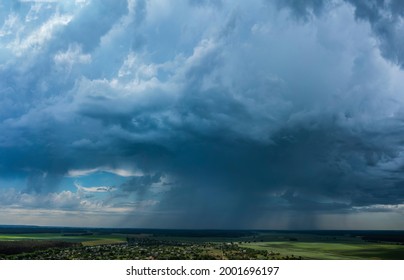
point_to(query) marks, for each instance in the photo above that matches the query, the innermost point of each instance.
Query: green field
(332, 251)
(325, 247)
(86, 240)
(116, 244)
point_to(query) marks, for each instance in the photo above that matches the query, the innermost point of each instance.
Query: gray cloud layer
(251, 109)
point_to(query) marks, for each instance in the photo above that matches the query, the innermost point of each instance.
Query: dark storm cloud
(303, 9)
(384, 16)
(93, 21)
(244, 112)
(216, 3)
(140, 184)
(302, 170)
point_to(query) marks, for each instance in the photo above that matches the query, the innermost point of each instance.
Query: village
(151, 249)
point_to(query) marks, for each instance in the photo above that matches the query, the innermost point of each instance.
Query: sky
(202, 114)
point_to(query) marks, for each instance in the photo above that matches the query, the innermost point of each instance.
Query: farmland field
(84, 239)
(333, 251)
(80, 243)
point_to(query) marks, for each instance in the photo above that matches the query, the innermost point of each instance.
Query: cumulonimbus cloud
(249, 109)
